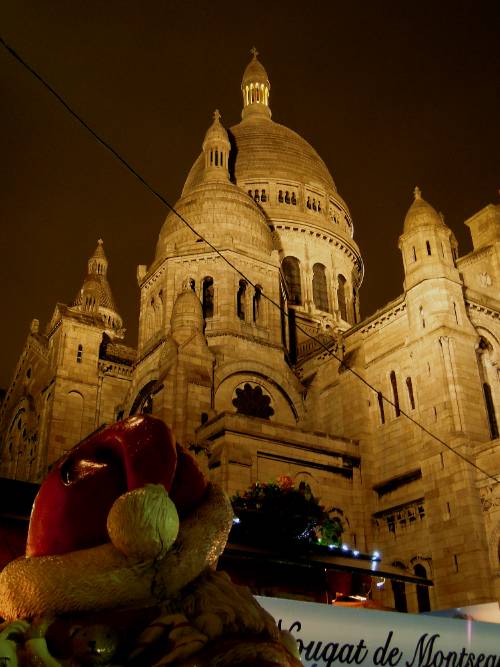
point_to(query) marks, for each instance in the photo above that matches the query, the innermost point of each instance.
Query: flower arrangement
(280, 514)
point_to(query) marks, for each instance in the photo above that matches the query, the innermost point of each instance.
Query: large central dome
(260, 187)
(265, 149)
(262, 149)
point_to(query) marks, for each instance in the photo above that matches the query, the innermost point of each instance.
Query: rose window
(253, 402)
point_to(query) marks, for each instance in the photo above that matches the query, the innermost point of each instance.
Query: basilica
(252, 348)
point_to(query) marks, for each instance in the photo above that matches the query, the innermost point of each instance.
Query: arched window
(380, 401)
(320, 294)
(423, 601)
(291, 270)
(103, 347)
(282, 318)
(428, 246)
(490, 409)
(399, 591)
(79, 354)
(256, 303)
(341, 296)
(354, 306)
(422, 317)
(208, 297)
(411, 397)
(395, 397)
(240, 299)
(73, 417)
(484, 353)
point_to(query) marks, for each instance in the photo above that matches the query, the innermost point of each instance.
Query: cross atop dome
(98, 262)
(254, 52)
(217, 116)
(421, 214)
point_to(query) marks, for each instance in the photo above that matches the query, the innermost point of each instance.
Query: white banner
(330, 635)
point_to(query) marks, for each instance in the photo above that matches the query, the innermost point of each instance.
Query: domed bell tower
(255, 88)
(432, 281)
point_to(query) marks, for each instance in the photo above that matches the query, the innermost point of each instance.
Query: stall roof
(342, 563)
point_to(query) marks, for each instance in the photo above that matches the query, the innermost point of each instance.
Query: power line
(164, 201)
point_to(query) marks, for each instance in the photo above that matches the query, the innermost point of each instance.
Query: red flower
(285, 482)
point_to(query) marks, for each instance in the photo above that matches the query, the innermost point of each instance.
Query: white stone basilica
(261, 392)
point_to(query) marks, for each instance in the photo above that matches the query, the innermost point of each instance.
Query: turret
(255, 88)
(434, 290)
(216, 149)
(428, 246)
(95, 295)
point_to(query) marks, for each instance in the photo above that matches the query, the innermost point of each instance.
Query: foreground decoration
(131, 579)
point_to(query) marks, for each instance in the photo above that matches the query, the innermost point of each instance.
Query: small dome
(99, 251)
(216, 133)
(420, 214)
(255, 72)
(187, 314)
(221, 213)
(99, 289)
(265, 149)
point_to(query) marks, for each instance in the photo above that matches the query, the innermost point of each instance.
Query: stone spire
(255, 88)
(98, 262)
(216, 149)
(95, 295)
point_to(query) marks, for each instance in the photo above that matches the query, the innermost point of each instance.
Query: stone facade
(251, 347)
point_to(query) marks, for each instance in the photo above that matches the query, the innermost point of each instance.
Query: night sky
(391, 95)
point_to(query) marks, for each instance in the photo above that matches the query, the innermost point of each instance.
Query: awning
(361, 564)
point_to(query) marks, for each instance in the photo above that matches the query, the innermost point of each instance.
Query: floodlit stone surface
(255, 396)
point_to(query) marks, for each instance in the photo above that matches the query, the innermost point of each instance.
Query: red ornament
(189, 482)
(72, 505)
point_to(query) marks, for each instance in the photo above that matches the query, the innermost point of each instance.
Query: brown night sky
(391, 94)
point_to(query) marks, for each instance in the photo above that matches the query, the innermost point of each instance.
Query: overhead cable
(164, 201)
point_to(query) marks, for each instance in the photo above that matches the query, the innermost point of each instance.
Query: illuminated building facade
(251, 391)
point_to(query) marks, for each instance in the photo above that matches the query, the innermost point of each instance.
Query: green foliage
(280, 513)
